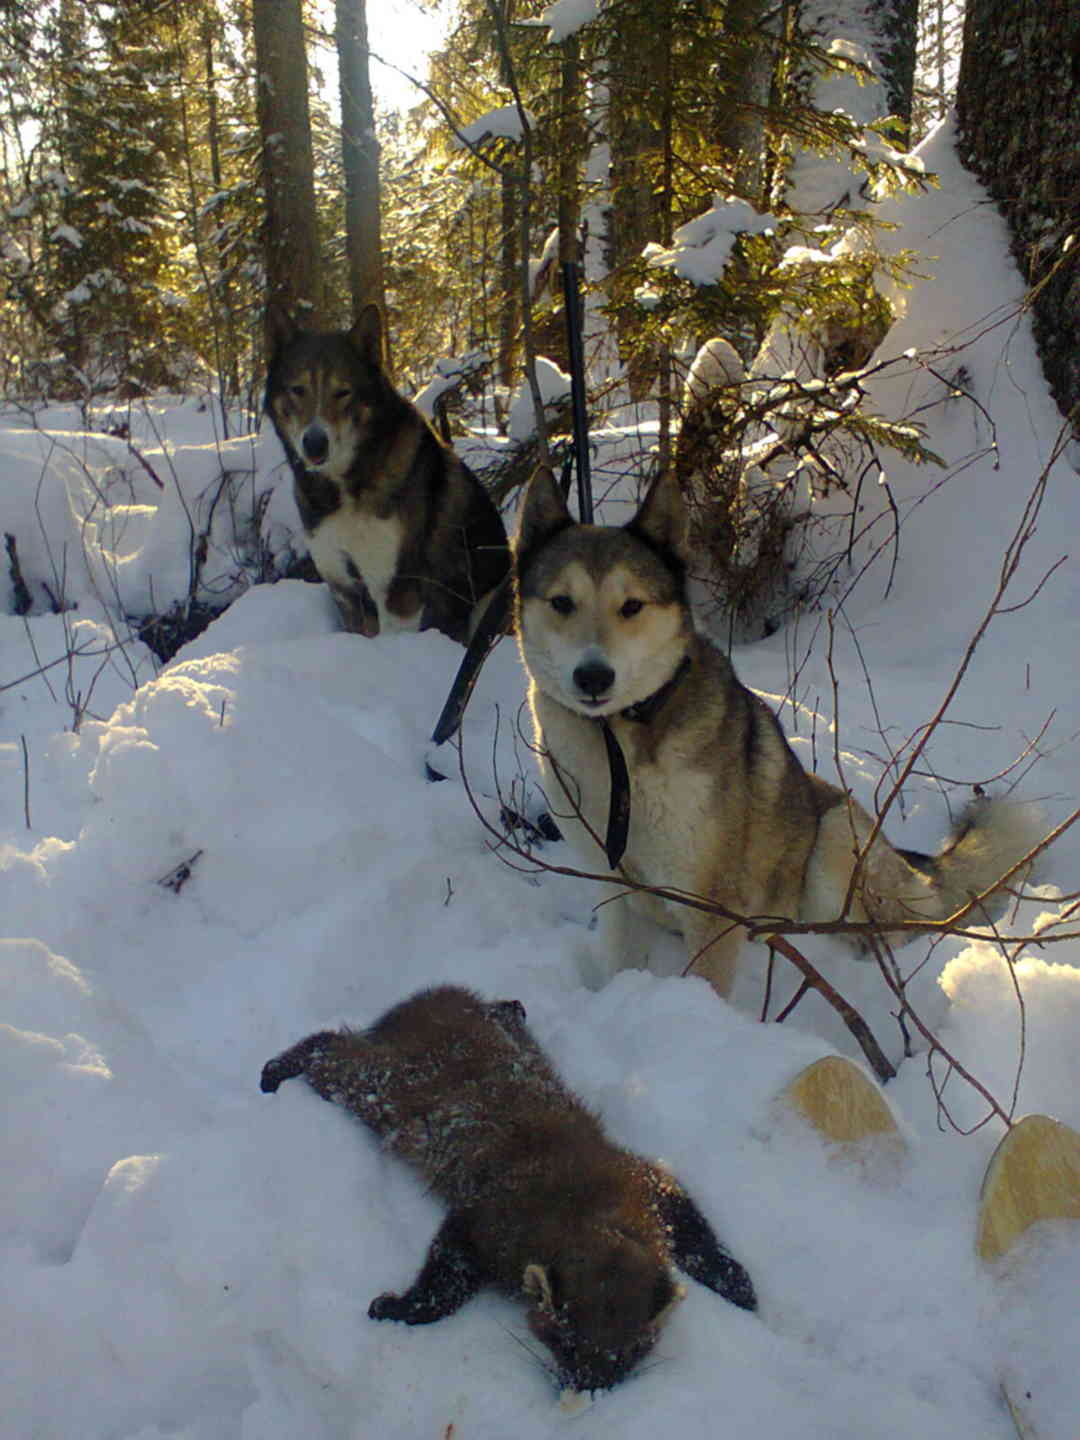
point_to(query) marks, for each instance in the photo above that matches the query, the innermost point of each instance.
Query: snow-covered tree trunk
(1018, 100)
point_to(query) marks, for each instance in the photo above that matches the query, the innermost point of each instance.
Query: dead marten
(540, 1200)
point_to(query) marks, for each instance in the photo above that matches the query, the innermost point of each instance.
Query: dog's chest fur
(354, 539)
(670, 800)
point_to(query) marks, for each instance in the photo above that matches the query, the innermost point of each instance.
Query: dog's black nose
(315, 444)
(594, 678)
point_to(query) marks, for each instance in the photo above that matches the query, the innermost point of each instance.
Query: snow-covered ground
(183, 1256)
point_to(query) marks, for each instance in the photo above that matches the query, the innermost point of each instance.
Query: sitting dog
(400, 529)
(720, 808)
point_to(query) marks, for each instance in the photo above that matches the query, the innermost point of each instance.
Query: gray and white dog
(720, 806)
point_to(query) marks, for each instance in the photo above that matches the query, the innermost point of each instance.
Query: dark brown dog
(398, 526)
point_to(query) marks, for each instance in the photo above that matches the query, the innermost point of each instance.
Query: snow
(181, 1255)
(850, 86)
(450, 372)
(554, 389)
(505, 122)
(566, 17)
(716, 363)
(69, 235)
(701, 248)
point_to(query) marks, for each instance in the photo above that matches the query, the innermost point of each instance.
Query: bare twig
(26, 782)
(179, 875)
(1025, 529)
(847, 1012)
(90, 648)
(935, 1046)
(804, 989)
(775, 933)
(142, 461)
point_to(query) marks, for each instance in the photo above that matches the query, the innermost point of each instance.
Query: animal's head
(324, 388)
(602, 618)
(599, 1307)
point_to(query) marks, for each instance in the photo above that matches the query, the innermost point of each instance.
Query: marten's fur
(539, 1199)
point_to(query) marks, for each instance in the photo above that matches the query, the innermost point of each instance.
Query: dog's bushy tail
(990, 840)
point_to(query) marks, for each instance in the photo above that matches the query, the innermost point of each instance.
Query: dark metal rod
(573, 305)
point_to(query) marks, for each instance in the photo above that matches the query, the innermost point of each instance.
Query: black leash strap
(618, 824)
(493, 623)
(573, 306)
(491, 626)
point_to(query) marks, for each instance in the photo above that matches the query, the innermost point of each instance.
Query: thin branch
(935, 1045)
(26, 782)
(847, 1012)
(1010, 563)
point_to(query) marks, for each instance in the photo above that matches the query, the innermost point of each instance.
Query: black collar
(645, 710)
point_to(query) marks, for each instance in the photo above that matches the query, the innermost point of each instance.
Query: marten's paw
(295, 1060)
(389, 1307)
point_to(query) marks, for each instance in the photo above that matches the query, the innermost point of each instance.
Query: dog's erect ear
(281, 328)
(367, 334)
(662, 519)
(543, 511)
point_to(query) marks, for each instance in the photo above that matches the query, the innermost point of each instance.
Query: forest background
(168, 168)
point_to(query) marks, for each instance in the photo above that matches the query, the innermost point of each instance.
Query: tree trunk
(70, 33)
(549, 325)
(1018, 99)
(230, 358)
(639, 63)
(360, 157)
(744, 72)
(512, 199)
(571, 149)
(509, 279)
(290, 235)
(900, 31)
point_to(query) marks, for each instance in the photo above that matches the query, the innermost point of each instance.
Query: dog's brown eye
(298, 390)
(342, 394)
(562, 604)
(631, 607)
